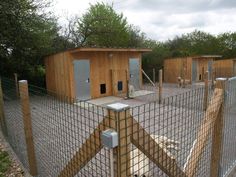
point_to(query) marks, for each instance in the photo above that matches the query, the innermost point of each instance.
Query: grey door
(234, 69)
(134, 69)
(210, 63)
(194, 71)
(82, 79)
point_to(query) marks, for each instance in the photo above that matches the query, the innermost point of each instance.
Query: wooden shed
(225, 68)
(86, 73)
(190, 68)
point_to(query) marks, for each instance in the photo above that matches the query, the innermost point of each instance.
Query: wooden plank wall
(189, 68)
(174, 68)
(57, 74)
(60, 71)
(100, 70)
(223, 68)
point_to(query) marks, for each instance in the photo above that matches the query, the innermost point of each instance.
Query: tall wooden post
(184, 77)
(2, 114)
(121, 114)
(205, 101)
(154, 75)
(16, 84)
(160, 86)
(127, 83)
(217, 136)
(25, 105)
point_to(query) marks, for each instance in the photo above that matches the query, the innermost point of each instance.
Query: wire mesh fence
(173, 138)
(228, 160)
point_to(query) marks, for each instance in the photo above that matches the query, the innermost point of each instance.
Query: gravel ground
(59, 129)
(15, 169)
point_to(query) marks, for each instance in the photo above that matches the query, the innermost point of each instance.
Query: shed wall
(174, 68)
(223, 68)
(57, 74)
(103, 70)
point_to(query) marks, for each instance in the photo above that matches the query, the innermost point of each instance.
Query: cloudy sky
(164, 19)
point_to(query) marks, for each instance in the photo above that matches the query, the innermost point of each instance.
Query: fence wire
(228, 160)
(14, 121)
(171, 138)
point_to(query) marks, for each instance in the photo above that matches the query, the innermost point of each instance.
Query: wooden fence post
(205, 101)
(121, 114)
(2, 114)
(160, 86)
(16, 84)
(25, 105)
(184, 77)
(217, 136)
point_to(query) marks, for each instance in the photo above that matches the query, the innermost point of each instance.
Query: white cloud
(164, 19)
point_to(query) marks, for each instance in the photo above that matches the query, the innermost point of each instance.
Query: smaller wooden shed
(225, 68)
(190, 68)
(86, 73)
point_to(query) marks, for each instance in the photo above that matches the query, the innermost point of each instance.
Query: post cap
(23, 81)
(221, 79)
(118, 107)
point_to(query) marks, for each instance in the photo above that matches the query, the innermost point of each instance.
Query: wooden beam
(86, 152)
(231, 172)
(160, 86)
(26, 113)
(2, 114)
(148, 78)
(145, 143)
(205, 101)
(204, 132)
(217, 136)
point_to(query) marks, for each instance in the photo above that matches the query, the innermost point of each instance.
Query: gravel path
(15, 169)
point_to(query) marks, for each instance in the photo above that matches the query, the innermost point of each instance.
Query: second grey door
(82, 79)
(210, 63)
(234, 69)
(194, 71)
(134, 69)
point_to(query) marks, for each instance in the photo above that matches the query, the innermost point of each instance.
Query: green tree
(27, 34)
(227, 44)
(101, 26)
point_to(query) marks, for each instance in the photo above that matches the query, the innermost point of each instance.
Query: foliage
(5, 162)
(101, 26)
(27, 34)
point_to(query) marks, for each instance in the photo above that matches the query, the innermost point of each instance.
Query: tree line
(29, 32)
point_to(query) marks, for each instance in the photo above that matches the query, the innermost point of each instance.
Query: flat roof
(196, 57)
(101, 49)
(208, 56)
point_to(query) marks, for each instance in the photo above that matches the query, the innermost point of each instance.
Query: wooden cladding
(224, 68)
(183, 67)
(106, 67)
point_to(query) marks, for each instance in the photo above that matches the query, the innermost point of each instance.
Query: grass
(5, 162)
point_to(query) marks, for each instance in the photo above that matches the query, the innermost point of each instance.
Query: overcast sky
(164, 19)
